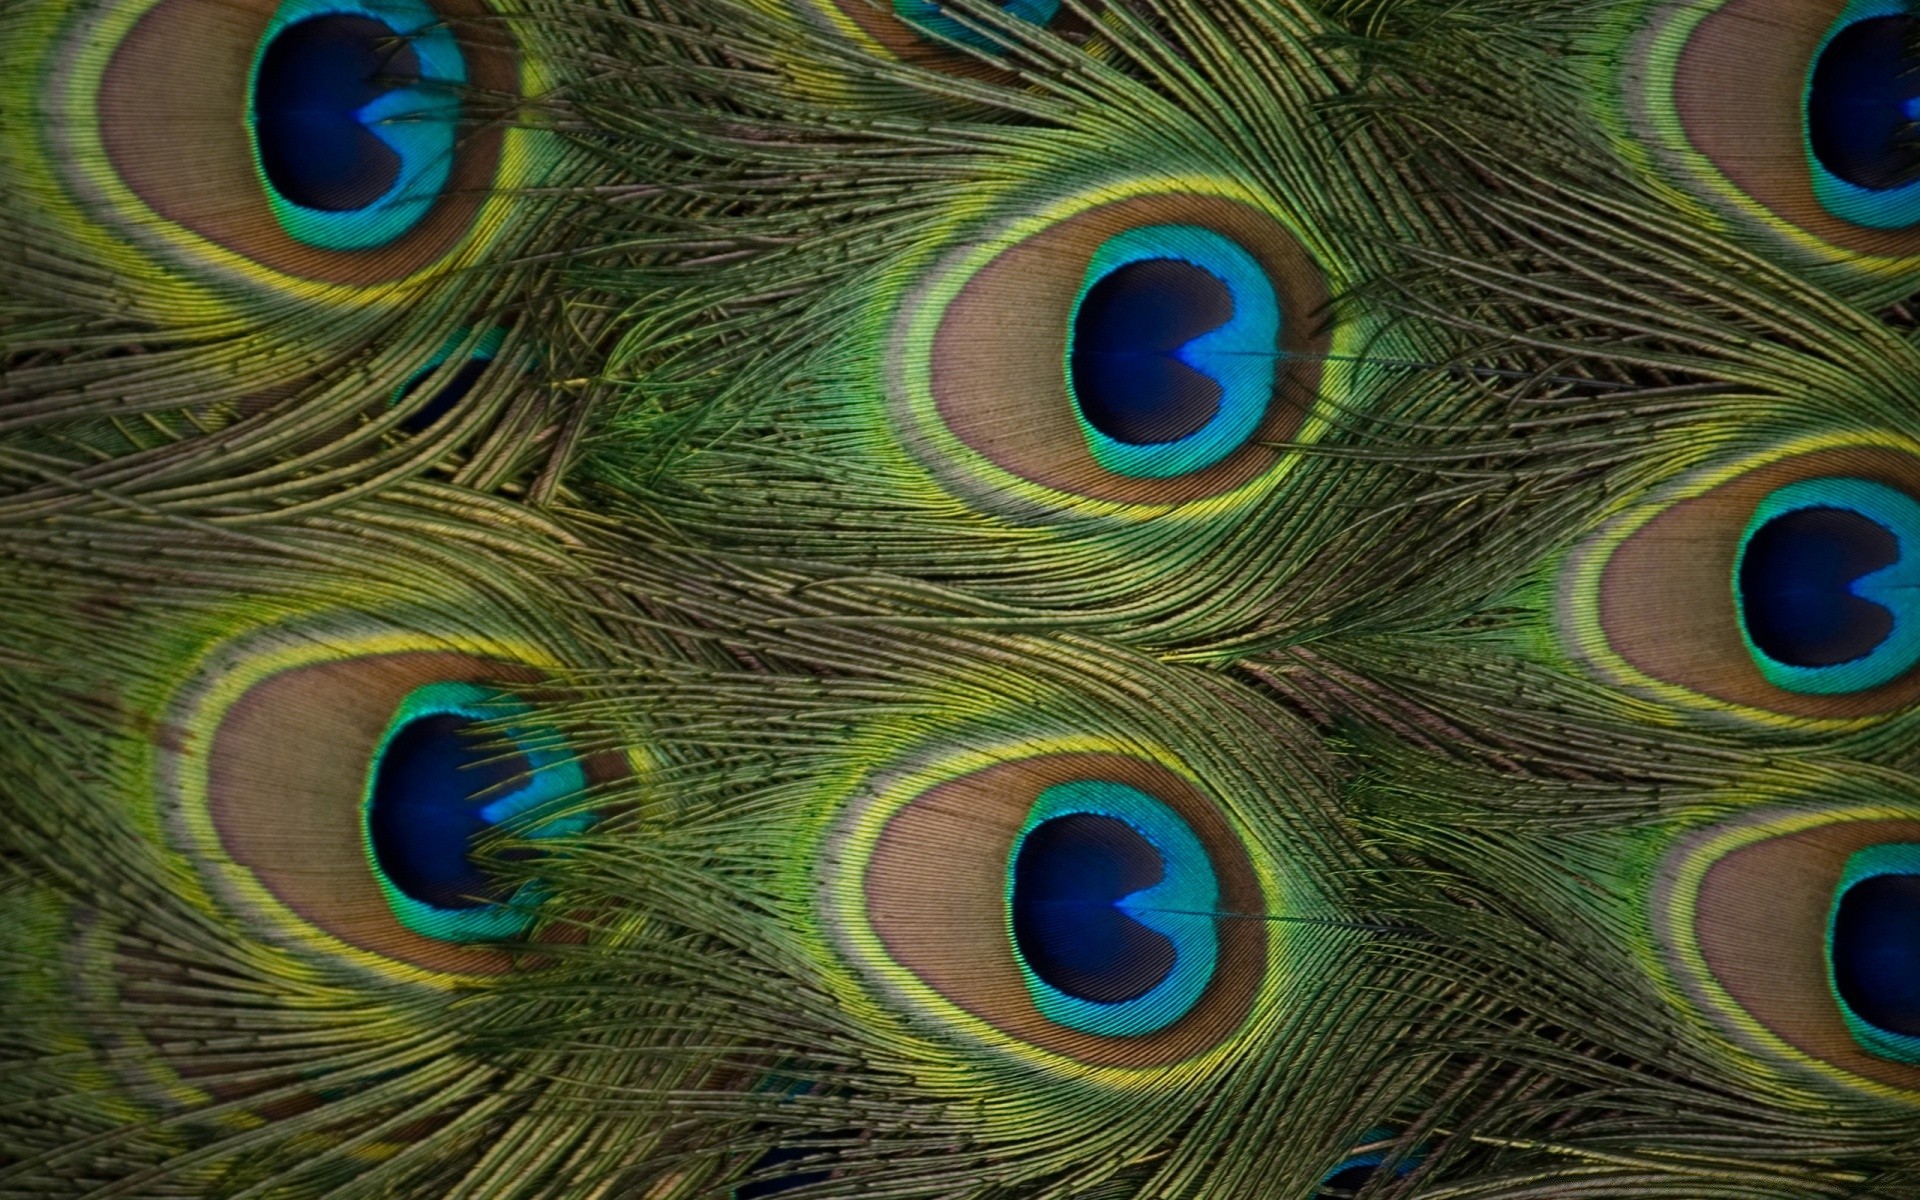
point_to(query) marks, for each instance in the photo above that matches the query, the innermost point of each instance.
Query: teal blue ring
(553, 774)
(418, 123)
(1182, 907)
(1895, 587)
(1898, 858)
(1891, 208)
(1241, 356)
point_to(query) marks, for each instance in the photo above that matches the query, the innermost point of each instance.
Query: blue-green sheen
(931, 18)
(1172, 916)
(1357, 1170)
(1135, 360)
(1873, 949)
(452, 391)
(433, 787)
(1825, 585)
(1862, 95)
(353, 111)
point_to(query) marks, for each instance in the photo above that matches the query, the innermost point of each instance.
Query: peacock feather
(1050, 600)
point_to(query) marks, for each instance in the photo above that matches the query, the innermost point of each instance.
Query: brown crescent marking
(176, 133)
(1761, 920)
(999, 356)
(935, 891)
(1666, 595)
(1739, 87)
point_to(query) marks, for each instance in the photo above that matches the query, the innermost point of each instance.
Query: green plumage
(1142, 600)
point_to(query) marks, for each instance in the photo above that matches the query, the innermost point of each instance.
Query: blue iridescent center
(1825, 585)
(452, 390)
(1111, 903)
(438, 783)
(1172, 350)
(756, 1189)
(353, 114)
(1359, 1169)
(1862, 96)
(1873, 949)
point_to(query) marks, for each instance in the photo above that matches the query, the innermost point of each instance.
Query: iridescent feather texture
(1046, 600)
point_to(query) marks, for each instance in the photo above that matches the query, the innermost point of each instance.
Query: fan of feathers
(924, 599)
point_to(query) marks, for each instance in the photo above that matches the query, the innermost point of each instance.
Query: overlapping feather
(751, 480)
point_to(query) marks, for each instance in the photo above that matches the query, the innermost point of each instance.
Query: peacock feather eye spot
(1111, 903)
(1172, 349)
(341, 793)
(1073, 879)
(1794, 117)
(1873, 949)
(1797, 930)
(314, 80)
(1876, 952)
(1158, 349)
(1822, 585)
(1071, 901)
(1785, 586)
(1129, 377)
(431, 794)
(929, 18)
(1795, 581)
(1861, 101)
(294, 142)
(446, 398)
(439, 781)
(353, 118)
